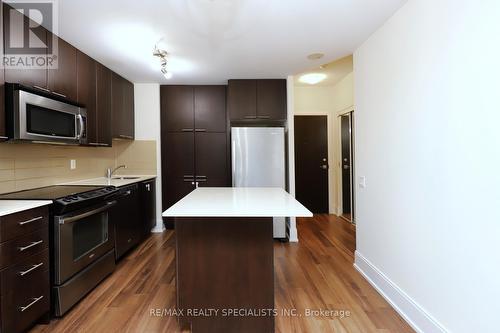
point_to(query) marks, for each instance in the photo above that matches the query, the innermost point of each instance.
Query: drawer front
(20, 313)
(20, 249)
(15, 278)
(19, 224)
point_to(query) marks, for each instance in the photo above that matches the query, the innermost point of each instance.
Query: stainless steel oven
(38, 116)
(80, 238)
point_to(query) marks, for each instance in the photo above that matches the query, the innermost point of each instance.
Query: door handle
(324, 166)
(346, 167)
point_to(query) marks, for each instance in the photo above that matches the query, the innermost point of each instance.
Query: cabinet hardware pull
(203, 180)
(263, 117)
(23, 248)
(26, 307)
(41, 88)
(203, 177)
(59, 94)
(200, 130)
(93, 143)
(30, 220)
(3, 137)
(30, 269)
(250, 117)
(187, 130)
(129, 240)
(126, 136)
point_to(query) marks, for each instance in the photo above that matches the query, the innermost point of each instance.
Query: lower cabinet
(134, 215)
(24, 269)
(147, 190)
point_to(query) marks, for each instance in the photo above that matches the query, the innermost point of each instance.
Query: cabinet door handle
(41, 88)
(3, 137)
(26, 307)
(93, 144)
(200, 130)
(24, 248)
(125, 136)
(263, 117)
(187, 130)
(30, 220)
(250, 117)
(30, 269)
(59, 94)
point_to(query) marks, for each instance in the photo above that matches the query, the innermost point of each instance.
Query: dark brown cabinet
(194, 140)
(147, 192)
(125, 216)
(24, 269)
(122, 92)
(178, 105)
(2, 84)
(36, 77)
(63, 79)
(210, 108)
(103, 105)
(242, 99)
(257, 99)
(86, 79)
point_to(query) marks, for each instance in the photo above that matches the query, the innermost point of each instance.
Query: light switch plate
(362, 182)
(72, 164)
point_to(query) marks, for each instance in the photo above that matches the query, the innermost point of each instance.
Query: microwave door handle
(70, 219)
(80, 120)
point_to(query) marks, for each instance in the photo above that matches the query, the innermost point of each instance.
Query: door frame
(331, 160)
(339, 165)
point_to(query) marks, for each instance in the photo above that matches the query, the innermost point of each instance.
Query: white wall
(147, 127)
(330, 101)
(428, 142)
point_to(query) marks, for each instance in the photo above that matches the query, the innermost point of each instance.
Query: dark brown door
(311, 162)
(211, 159)
(177, 105)
(103, 104)
(346, 146)
(116, 103)
(210, 108)
(29, 77)
(271, 99)
(178, 153)
(127, 119)
(63, 80)
(87, 93)
(242, 99)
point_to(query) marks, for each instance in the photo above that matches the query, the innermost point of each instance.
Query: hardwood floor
(316, 273)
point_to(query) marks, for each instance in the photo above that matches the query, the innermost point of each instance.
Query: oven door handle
(70, 219)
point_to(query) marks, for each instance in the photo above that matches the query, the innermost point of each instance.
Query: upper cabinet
(86, 92)
(103, 105)
(210, 108)
(257, 99)
(29, 77)
(63, 79)
(194, 108)
(122, 97)
(177, 104)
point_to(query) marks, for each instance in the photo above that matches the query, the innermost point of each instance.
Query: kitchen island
(224, 257)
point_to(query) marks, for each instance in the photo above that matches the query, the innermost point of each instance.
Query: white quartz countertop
(14, 206)
(118, 180)
(237, 201)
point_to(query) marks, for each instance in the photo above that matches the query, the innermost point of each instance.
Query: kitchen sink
(125, 178)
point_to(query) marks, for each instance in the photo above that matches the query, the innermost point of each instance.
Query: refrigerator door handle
(233, 161)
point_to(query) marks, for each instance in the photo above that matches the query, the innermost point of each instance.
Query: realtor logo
(30, 39)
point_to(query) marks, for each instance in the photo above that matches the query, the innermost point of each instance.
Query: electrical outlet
(72, 164)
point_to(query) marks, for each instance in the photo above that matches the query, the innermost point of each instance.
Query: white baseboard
(416, 316)
(159, 227)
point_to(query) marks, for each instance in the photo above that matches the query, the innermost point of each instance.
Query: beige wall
(330, 101)
(26, 165)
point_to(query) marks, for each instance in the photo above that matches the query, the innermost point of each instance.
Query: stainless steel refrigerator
(258, 160)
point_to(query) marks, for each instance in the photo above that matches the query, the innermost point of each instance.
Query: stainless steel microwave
(39, 117)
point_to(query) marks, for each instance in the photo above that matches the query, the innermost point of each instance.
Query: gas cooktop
(65, 197)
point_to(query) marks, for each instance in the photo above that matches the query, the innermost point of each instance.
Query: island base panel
(225, 264)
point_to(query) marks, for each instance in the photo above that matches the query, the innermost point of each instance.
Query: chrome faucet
(109, 172)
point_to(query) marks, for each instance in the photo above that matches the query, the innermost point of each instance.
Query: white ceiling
(335, 71)
(211, 41)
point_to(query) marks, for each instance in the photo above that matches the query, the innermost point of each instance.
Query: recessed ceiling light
(315, 56)
(312, 78)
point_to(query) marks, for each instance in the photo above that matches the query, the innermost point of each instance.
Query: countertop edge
(102, 181)
(22, 205)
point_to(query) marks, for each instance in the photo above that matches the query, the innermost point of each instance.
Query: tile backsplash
(27, 165)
